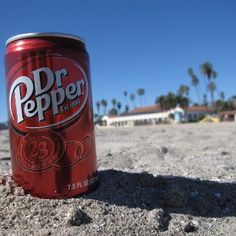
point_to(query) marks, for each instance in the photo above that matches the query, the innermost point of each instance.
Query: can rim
(47, 34)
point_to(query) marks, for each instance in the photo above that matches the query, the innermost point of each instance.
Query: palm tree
(210, 76)
(205, 99)
(98, 106)
(132, 98)
(195, 83)
(126, 99)
(141, 93)
(113, 111)
(190, 71)
(205, 68)
(232, 100)
(183, 90)
(171, 100)
(166, 102)
(126, 108)
(212, 87)
(113, 101)
(208, 71)
(119, 106)
(161, 101)
(182, 101)
(222, 96)
(104, 104)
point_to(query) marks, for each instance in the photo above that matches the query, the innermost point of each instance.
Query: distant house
(228, 115)
(195, 113)
(189, 114)
(151, 115)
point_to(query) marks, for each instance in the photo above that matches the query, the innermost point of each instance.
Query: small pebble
(18, 191)
(159, 218)
(191, 226)
(224, 153)
(74, 217)
(164, 150)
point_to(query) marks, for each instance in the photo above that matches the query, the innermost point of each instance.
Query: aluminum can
(50, 113)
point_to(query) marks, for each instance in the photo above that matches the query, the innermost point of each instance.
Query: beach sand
(154, 180)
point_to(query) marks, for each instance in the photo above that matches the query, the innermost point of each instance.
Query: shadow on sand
(174, 194)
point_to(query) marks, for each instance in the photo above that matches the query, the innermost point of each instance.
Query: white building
(189, 114)
(153, 115)
(194, 113)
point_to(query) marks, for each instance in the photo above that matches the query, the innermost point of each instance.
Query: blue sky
(132, 44)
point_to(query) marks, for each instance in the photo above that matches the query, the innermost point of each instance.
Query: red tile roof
(196, 108)
(227, 113)
(147, 109)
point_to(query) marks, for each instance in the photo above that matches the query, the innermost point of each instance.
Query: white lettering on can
(43, 92)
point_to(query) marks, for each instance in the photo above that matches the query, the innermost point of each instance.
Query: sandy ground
(159, 180)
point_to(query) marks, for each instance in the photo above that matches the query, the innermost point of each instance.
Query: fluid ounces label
(82, 184)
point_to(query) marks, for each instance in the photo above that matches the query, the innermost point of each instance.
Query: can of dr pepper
(50, 114)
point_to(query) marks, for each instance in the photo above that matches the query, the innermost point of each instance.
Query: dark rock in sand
(191, 226)
(164, 150)
(75, 217)
(159, 218)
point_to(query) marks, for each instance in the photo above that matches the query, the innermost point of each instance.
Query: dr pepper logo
(47, 92)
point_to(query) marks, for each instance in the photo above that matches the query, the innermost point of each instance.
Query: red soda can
(50, 114)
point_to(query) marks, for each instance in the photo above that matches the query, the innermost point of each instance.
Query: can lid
(48, 34)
